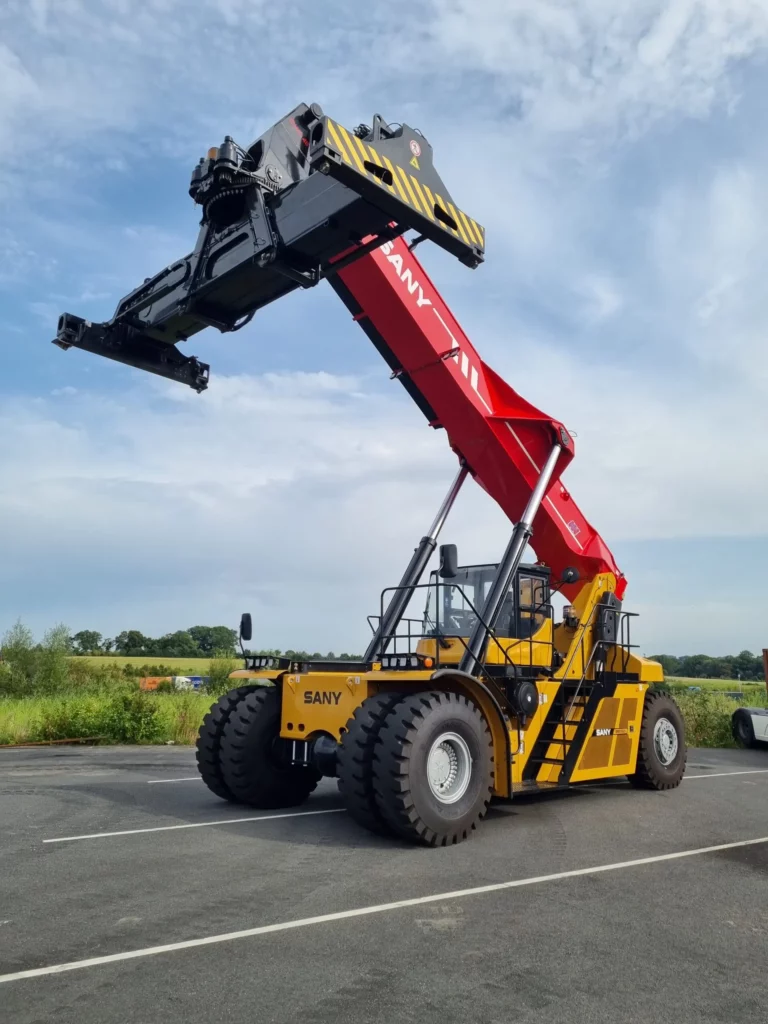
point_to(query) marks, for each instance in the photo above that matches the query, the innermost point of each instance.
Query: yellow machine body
(570, 750)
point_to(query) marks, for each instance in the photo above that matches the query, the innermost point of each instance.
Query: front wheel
(433, 768)
(255, 761)
(662, 752)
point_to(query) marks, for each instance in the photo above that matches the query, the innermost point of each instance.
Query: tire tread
(355, 760)
(392, 769)
(255, 725)
(208, 746)
(647, 774)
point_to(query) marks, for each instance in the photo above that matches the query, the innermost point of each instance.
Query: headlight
(395, 661)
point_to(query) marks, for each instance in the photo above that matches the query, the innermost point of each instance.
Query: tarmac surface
(98, 863)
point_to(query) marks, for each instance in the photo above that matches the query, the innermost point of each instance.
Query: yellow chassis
(317, 702)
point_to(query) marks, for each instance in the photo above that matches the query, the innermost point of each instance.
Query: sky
(615, 150)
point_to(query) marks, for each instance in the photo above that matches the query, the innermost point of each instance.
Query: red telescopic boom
(504, 439)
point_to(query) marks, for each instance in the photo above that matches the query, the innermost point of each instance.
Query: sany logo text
(460, 357)
(405, 276)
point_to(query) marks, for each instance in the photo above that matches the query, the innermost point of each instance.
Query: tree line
(195, 642)
(745, 666)
(208, 641)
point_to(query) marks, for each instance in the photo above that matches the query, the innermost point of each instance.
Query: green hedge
(127, 717)
(135, 716)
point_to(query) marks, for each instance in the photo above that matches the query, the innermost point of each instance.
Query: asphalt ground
(682, 938)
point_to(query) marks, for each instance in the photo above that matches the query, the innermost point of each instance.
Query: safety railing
(593, 655)
(403, 641)
(595, 661)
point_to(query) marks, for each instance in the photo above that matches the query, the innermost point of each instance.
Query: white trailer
(750, 726)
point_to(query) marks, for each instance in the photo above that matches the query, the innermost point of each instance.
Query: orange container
(152, 682)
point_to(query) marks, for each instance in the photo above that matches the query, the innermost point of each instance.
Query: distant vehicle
(750, 726)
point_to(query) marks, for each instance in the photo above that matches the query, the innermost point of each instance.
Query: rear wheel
(255, 761)
(662, 753)
(433, 768)
(742, 728)
(208, 748)
(354, 766)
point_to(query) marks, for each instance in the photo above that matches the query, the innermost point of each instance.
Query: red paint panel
(503, 438)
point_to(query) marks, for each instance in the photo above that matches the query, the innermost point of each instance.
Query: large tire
(742, 728)
(354, 766)
(662, 753)
(433, 768)
(254, 760)
(208, 750)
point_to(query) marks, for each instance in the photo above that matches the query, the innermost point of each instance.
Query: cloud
(589, 65)
(279, 490)
(615, 153)
(100, 80)
(302, 495)
(710, 242)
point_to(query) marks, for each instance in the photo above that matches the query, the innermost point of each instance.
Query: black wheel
(255, 762)
(433, 768)
(208, 749)
(742, 728)
(662, 753)
(354, 765)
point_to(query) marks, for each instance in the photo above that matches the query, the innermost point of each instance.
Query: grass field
(182, 666)
(732, 685)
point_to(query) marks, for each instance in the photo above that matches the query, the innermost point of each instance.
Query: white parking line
(195, 824)
(714, 775)
(268, 929)
(189, 778)
(721, 775)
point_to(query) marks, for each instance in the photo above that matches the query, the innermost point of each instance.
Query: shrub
(67, 718)
(707, 718)
(139, 671)
(133, 718)
(29, 668)
(21, 662)
(52, 669)
(219, 670)
(181, 715)
(127, 717)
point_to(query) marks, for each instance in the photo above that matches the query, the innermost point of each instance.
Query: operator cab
(455, 604)
(523, 635)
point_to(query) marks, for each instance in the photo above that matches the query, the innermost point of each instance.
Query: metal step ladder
(572, 699)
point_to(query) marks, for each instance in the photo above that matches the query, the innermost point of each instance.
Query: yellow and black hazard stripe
(366, 160)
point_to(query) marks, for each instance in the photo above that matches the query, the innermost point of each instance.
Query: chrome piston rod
(472, 658)
(413, 573)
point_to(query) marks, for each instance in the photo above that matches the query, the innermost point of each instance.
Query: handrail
(492, 633)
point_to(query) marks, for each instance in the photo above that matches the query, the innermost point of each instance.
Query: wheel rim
(449, 767)
(665, 741)
(741, 728)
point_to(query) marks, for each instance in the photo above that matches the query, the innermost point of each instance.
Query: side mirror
(569, 575)
(570, 617)
(449, 561)
(246, 626)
